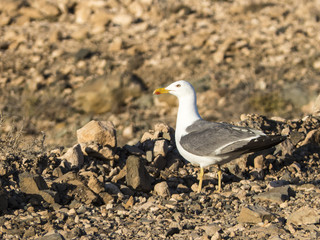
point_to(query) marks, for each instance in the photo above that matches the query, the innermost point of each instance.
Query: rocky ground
(64, 63)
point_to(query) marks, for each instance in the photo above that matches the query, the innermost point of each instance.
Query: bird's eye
(178, 85)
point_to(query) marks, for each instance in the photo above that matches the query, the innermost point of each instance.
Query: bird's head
(179, 88)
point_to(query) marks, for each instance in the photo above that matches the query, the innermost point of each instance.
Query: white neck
(187, 114)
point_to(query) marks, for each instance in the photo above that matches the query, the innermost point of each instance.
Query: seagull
(205, 143)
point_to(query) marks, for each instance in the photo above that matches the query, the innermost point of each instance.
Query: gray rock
(111, 188)
(304, 215)
(51, 236)
(137, 175)
(254, 214)
(278, 194)
(74, 156)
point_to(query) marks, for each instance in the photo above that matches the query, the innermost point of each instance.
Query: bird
(206, 143)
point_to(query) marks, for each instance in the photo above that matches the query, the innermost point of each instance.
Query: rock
(122, 19)
(254, 214)
(3, 200)
(128, 132)
(258, 162)
(160, 148)
(74, 156)
(316, 107)
(277, 194)
(51, 236)
(95, 185)
(31, 184)
(162, 189)
(35, 184)
(3, 168)
(111, 188)
(82, 193)
(211, 229)
(48, 9)
(116, 44)
(134, 150)
(172, 231)
(278, 183)
(49, 196)
(313, 137)
(122, 174)
(107, 153)
(100, 132)
(304, 215)
(159, 162)
(106, 197)
(129, 203)
(218, 56)
(137, 175)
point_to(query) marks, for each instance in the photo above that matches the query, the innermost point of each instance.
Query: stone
(162, 189)
(101, 132)
(82, 193)
(48, 9)
(218, 56)
(304, 215)
(277, 194)
(129, 203)
(160, 148)
(106, 197)
(3, 200)
(313, 137)
(49, 196)
(95, 185)
(159, 162)
(82, 13)
(107, 153)
(128, 131)
(258, 162)
(211, 229)
(51, 236)
(122, 19)
(137, 175)
(134, 150)
(116, 44)
(254, 214)
(100, 18)
(99, 96)
(74, 156)
(121, 175)
(316, 107)
(31, 13)
(112, 188)
(31, 184)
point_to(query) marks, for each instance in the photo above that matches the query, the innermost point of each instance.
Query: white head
(179, 88)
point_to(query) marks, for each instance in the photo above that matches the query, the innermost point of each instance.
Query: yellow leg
(200, 179)
(219, 179)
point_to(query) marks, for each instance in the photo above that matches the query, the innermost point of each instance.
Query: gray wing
(211, 139)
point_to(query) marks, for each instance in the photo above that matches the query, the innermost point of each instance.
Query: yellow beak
(160, 91)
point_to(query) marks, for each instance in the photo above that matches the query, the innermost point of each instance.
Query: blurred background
(65, 62)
